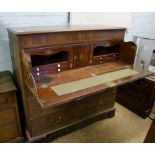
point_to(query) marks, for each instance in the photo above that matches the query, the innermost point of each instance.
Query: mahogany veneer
(47, 56)
(138, 96)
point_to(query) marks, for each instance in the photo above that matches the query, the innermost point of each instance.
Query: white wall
(143, 24)
(23, 19)
(143, 27)
(120, 19)
(105, 18)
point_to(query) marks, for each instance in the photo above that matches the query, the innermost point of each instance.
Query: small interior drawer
(51, 68)
(105, 58)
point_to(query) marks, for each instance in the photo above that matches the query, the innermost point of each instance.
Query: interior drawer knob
(37, 69)
(59, 70)
(59, 119)
(58, 65)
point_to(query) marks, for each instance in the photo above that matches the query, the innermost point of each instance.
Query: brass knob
(58, 120)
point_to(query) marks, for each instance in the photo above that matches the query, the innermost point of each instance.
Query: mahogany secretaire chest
(69, 74)
(10, 130)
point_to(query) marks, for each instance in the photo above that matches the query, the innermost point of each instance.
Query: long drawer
(72, 112)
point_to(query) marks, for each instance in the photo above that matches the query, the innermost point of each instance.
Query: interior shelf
(38, 60)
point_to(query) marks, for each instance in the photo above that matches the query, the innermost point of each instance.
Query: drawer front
(52, 68)
(39, 40)
(72, 112)
(7, 116)
(8, 132)
(105, 58)
(5, 98)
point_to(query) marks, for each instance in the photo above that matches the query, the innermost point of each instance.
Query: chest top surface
(62, 28)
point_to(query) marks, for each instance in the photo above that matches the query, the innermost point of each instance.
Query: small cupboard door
(81, 55)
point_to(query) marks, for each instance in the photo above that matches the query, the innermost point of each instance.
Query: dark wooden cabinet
(44, 58)
(138, 96)
(10, 130)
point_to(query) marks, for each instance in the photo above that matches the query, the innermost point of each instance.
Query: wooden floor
(125, 127)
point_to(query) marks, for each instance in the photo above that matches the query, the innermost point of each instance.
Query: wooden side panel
(16, 60)
(128, 52)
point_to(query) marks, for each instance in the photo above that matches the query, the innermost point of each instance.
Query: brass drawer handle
(79, 98)
(48, 52)
(58, 120)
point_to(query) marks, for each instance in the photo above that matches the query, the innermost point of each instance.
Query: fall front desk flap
(77, 85)
(55, 93)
